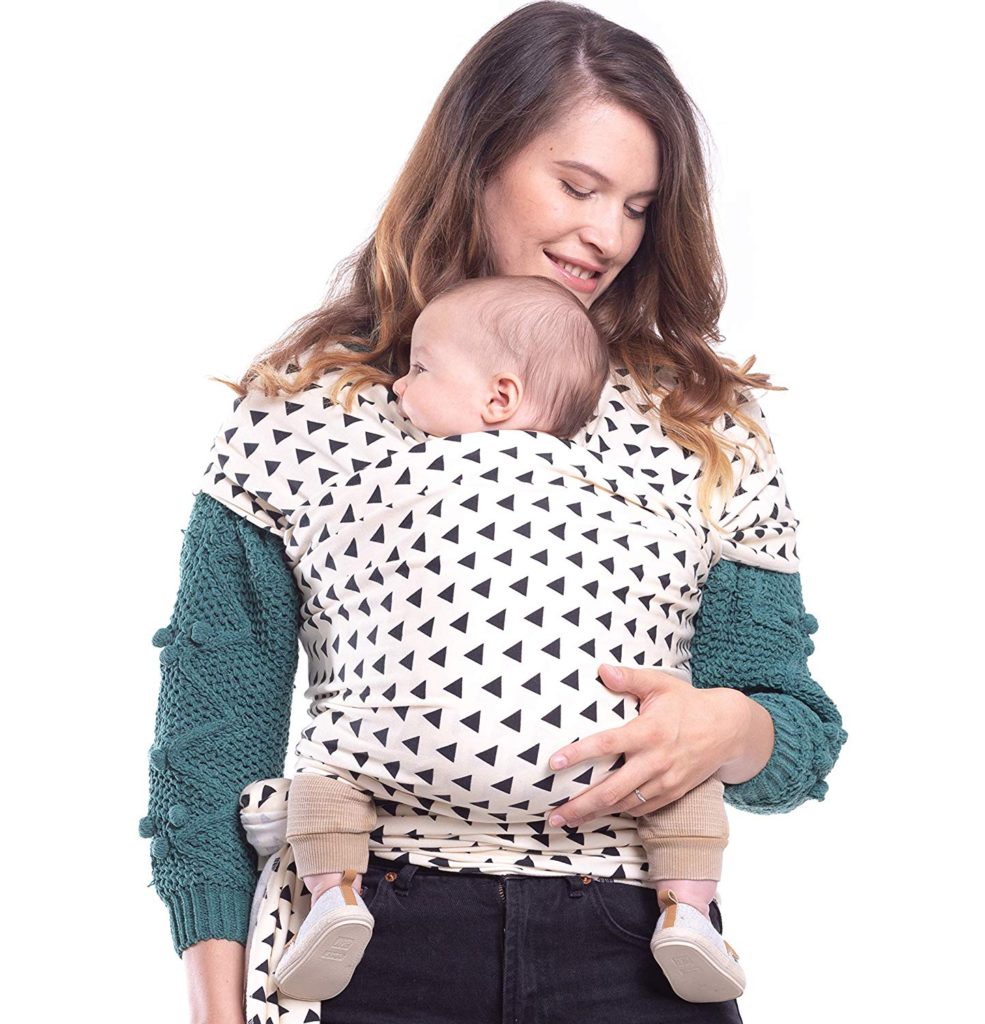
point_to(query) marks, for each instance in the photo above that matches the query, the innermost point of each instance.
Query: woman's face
(542, 212)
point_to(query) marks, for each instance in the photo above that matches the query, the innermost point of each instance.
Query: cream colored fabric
(459, 593)
(329, 822)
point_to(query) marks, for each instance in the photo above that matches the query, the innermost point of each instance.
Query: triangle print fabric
(459, 593)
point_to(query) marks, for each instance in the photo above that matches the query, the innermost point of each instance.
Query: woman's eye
(634, 214)
(574, 192)
(418, 367)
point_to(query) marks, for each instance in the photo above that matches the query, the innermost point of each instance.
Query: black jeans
(453, 948)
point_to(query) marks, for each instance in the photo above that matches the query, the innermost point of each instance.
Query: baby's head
(518, 353)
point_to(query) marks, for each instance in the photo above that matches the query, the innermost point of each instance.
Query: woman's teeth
(575, 271)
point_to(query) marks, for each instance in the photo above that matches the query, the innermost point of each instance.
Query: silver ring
(640, 796)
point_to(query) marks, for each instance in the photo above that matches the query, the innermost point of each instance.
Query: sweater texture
(229, 656)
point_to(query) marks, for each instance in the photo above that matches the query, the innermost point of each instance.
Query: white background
(181, 180)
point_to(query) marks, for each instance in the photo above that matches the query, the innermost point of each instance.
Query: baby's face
(443, 393)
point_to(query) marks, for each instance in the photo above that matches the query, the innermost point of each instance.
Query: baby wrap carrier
(458, 595)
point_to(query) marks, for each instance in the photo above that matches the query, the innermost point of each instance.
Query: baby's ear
(507, 394)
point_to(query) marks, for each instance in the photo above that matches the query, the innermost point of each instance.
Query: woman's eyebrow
(585, 168)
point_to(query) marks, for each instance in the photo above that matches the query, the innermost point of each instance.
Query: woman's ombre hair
(660, 314)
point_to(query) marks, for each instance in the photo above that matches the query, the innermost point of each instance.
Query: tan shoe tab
(731, 950)
(348, 877)
(668, 897)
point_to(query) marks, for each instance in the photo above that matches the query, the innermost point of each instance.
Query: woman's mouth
(577, 277)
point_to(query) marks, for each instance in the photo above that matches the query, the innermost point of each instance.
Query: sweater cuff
(783, 783)
(208, 911)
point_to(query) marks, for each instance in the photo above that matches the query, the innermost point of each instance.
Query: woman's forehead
(609, 139)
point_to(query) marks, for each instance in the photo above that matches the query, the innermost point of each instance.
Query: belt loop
(405, 875)
(576, 884)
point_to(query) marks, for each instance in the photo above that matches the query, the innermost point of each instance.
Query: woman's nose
(399, 384)
(604, 233)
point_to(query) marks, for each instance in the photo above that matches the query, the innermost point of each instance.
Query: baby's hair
(536, 328)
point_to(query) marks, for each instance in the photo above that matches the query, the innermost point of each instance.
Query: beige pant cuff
(331, 851)
(328, 824)
(686, 839)
(689, 857)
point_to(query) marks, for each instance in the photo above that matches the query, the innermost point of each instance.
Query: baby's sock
(697, 893)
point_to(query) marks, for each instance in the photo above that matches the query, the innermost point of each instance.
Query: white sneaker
(319, 961)
(699, 964)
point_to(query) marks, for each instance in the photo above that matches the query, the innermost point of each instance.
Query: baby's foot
(699, 964)
(319, 961)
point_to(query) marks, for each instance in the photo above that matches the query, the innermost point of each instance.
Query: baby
(502, 353)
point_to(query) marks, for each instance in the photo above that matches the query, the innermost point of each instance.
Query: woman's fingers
(659, 792)
(640, 743)
(646, 683)
(632, 741)
(609, 742)
(609, 797)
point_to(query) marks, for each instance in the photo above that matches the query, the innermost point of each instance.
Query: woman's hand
(682, 736)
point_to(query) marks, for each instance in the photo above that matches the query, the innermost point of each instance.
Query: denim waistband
(404, 873)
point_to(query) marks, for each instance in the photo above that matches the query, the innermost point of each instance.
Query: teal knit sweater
(228, 661)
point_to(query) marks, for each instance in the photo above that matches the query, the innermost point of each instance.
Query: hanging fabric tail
(280, 904)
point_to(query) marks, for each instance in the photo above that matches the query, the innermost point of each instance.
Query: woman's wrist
(750, 736)
(216, 982)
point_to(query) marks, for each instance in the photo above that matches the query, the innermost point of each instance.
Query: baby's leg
(684, 842)
(697, 893)
(328, 826)
(318, 884)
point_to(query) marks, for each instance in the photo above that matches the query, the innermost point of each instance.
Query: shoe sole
(694, 969)
(332, 953)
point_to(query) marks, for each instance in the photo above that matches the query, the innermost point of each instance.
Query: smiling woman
(628, 598)
(548, 213)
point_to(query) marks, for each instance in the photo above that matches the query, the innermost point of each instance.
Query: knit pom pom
(147, 827)
(201, 632)
(162, 637)
(177, 815)
(159, 757)
(809, 623)
(159, 847)
(789, 614)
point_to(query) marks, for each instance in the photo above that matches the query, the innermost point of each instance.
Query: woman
(563, 145)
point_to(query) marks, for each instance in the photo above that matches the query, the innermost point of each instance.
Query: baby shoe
(319, 961)
(699, 964)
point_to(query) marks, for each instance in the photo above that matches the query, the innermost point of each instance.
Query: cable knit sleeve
(753, 633)
(228, 661)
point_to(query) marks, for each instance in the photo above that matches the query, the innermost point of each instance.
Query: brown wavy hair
(660, 314)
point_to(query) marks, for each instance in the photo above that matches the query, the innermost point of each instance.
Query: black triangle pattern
(458, 594)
